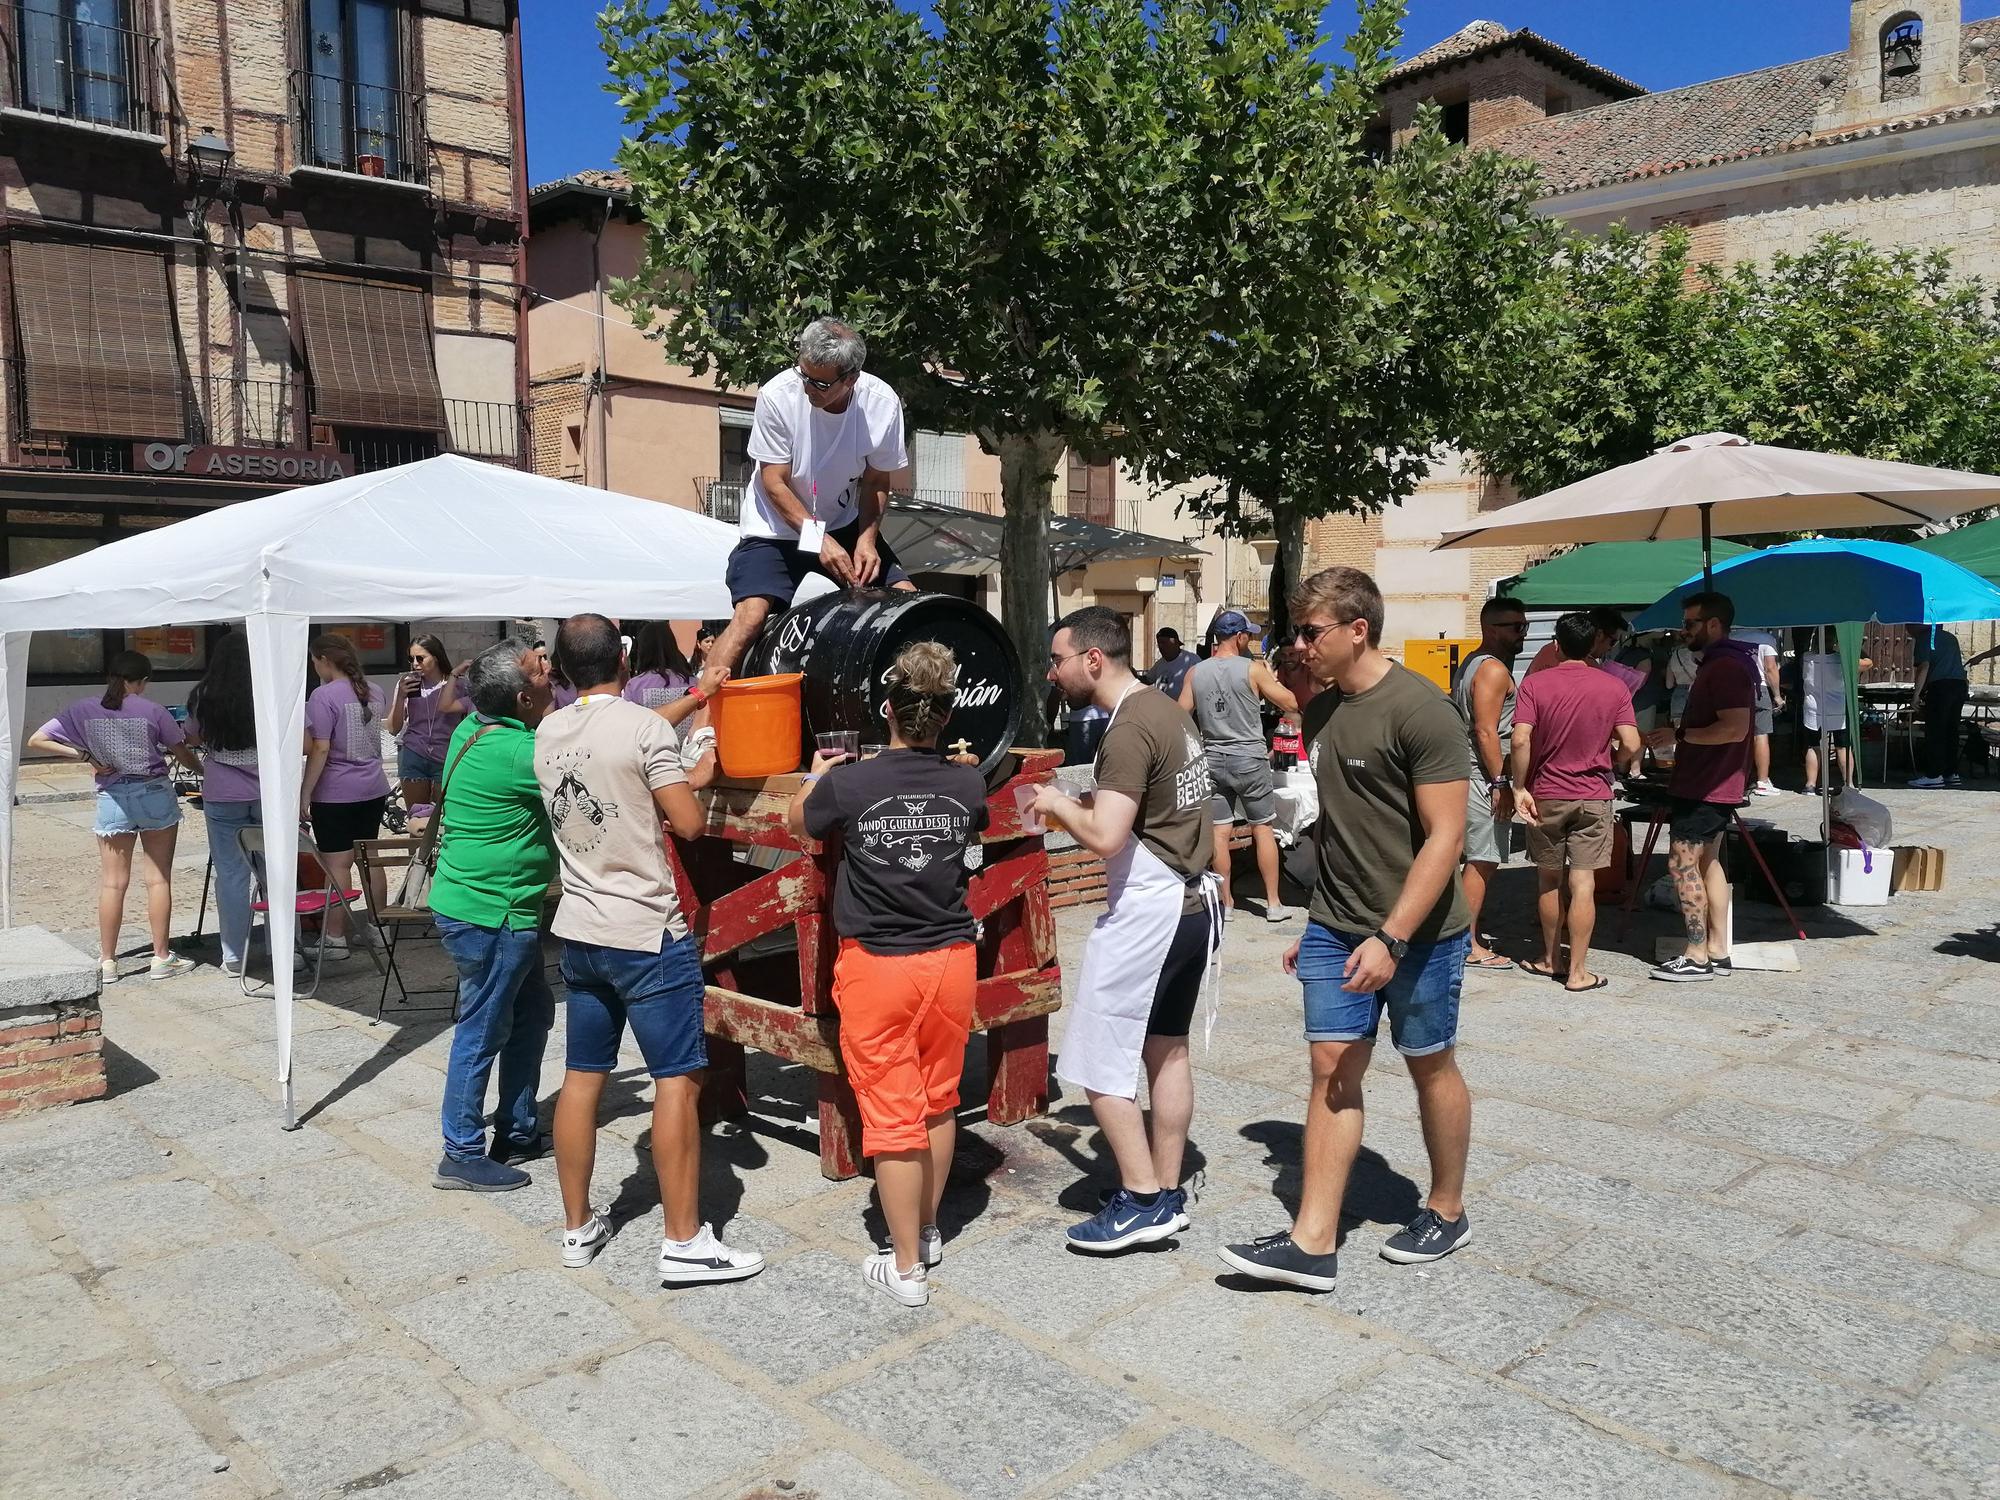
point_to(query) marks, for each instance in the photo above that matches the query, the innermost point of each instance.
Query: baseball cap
(1230, 622)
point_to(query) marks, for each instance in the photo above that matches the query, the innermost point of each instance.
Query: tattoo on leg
(1685, 865)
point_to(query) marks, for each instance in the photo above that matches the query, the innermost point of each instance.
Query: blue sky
(573, 123)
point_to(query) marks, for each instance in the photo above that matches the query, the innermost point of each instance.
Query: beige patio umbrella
(1721, 484)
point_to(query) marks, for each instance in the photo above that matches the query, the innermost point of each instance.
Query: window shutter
(1079, 486)
(368, 347)
(940, 466)
(97, 341)
(1103, 494)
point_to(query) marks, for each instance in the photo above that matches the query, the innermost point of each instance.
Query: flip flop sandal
(1583, 989)
(1496, 964)
(1529, 967)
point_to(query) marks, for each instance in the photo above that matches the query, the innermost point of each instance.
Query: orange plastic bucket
(757, 725)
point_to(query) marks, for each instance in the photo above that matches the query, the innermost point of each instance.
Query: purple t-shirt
(426, 726)
(128, 738)
(652, 689)
(226, 775)
(1574, 711)
(561, 697)
(353, 770)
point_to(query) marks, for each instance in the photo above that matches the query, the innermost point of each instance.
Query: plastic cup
(831, 742)
(1024, 805)
(850, 742)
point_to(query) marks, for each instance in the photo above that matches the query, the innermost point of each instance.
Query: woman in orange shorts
(905, 975)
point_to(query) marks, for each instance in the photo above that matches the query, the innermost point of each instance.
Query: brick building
(246, 244)
(1896, 140)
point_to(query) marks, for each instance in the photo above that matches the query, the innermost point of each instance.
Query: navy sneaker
(1429, 1236)
(1124, 1222)
(1276, 1258)
(1182, 1196)
(511, 1153)
(479, 1174)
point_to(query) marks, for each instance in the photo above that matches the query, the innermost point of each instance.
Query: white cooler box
(1859, 877)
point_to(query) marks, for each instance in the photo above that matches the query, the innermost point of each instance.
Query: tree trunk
(1027, 477)
(1288, 569)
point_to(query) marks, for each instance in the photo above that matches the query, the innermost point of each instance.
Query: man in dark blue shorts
(825, 439)
(1389, 927)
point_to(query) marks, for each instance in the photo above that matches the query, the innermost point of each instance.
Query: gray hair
(496, 678)
(828, 341)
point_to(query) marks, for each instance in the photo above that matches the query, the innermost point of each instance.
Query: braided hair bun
(922, 684)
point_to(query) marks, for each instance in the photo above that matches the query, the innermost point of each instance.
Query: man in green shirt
(495, 860)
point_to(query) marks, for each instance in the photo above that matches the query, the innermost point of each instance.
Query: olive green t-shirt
(1368, 752)
(1152, 753)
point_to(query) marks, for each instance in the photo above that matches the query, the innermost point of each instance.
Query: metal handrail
(85, 71)
(370, 129)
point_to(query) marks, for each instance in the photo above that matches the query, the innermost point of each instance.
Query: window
(76, 61)
(1457, 122)
(1092, 489)
(940, 466)
(98, 352)
(1556, 104)
(368, 350)
(735, 432)
(355, 114)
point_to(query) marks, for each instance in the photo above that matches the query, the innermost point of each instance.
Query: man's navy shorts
(769, 567)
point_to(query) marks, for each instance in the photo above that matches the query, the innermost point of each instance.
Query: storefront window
(171, 648)
(375, 644)
(78, 653)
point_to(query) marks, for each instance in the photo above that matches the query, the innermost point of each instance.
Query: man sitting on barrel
(825, 439)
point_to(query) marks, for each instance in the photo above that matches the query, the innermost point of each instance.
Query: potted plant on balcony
(371, 164)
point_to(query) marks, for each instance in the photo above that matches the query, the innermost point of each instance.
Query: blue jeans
(1421, 996)
(234, 879)
(505, 1011)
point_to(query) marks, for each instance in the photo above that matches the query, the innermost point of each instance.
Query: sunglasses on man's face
(822, 386)
(1309, 634)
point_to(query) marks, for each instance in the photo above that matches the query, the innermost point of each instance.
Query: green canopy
(1620, 573)
(1975, 547)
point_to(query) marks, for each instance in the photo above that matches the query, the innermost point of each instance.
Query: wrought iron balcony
(368, 129)
(254, 431)
(71, 69)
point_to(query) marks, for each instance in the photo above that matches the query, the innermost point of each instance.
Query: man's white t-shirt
(825, 449)
(1767, 653)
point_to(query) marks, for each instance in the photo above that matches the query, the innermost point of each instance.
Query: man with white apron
(1149, 956)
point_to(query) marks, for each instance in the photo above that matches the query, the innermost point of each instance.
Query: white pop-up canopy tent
(444, 539)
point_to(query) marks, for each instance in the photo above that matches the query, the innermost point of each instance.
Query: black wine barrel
(844, 643)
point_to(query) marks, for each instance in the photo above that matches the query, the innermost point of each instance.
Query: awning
(368, 347)
(97, 341)
(1976, 547)
(933, 538)
(1632, 574)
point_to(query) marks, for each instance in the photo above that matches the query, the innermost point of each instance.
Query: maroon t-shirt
(1714, 773)
(1573, 708)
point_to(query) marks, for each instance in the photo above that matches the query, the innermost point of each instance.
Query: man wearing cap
(1171, 666)
(1222, 693)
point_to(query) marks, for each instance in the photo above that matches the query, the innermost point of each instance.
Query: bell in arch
(1902, 50)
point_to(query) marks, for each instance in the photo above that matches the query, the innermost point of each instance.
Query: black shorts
(770, 567)
(336, 825)
(1697, 822)
(1181, 974)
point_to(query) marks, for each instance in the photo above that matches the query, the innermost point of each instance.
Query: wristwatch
(1399, 948)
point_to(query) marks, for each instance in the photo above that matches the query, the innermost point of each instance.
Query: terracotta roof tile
(594, 178)
(1761, 113)
(1484, 37)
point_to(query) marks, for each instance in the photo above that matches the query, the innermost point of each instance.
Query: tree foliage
(1842, 348)
(1147, 229)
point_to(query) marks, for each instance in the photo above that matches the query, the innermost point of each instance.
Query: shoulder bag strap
(427, 852)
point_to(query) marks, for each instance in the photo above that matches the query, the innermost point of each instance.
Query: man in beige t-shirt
(611, 773)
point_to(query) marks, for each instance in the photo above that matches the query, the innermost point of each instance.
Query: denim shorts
(414, 765)
(659, 994)
(1422, 997)
(136, 807)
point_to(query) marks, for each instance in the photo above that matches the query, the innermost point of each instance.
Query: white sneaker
(233, 967)
(107, 971)
(879, 1271)
(336, 949)
(1925, 781)
(930, 1245)
(580, 1246)
(170, 967)
(1277, 913)
(1766, 789)
(706, 1258)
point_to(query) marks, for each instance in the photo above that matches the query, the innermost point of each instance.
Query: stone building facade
(1896, 140)
(247, 244)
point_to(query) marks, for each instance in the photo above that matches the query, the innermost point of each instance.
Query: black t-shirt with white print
(905, 819)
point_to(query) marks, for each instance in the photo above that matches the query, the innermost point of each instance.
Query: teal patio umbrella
(1828, 580)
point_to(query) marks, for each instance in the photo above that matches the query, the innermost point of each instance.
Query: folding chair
(308, 901)
(397, 861)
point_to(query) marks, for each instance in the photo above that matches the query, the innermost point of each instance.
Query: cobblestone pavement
(1732, 1239)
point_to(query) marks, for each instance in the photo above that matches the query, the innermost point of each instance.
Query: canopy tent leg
(13, 709)
(278, 690)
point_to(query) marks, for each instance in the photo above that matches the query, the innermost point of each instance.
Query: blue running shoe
(1125, 1222)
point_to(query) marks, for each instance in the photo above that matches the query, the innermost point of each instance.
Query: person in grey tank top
(1223, 694)
(1484, 693)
